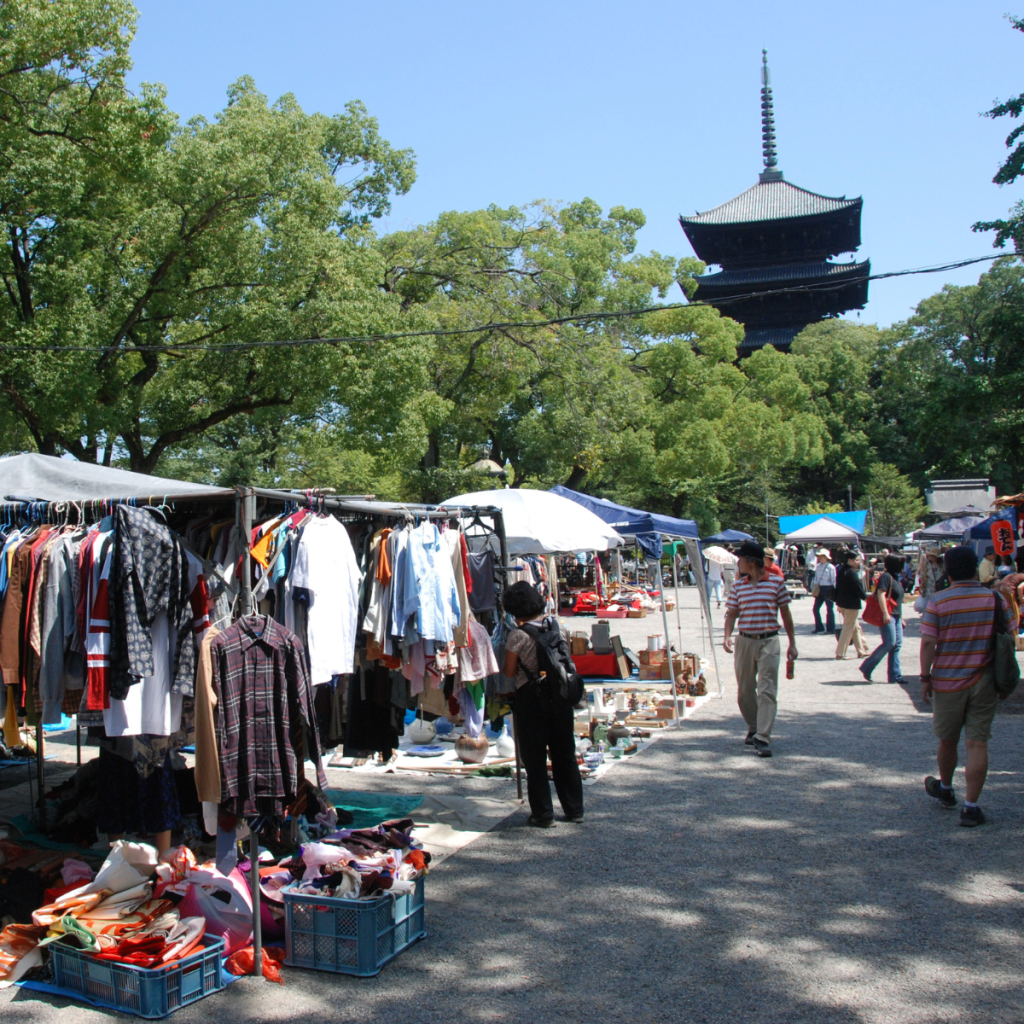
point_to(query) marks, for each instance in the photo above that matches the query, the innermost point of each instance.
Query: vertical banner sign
(1002, 538)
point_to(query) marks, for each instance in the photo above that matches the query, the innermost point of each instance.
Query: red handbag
(873, 614)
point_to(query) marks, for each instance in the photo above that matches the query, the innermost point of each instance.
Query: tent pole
(41, 775)
(675, 586)
(257, 921)
(668, 651)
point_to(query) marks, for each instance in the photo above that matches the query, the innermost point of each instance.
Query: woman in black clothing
(850, 596)
(543, 723)
(888, 587)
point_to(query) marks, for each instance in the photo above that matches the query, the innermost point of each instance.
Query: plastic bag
(232, 921)
(243, 962)
(126, 866)
(920, 604)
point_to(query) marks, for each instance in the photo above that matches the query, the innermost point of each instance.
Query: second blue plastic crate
(351, 936)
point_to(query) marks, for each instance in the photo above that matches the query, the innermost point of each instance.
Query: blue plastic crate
(350, 936)
(140, 990)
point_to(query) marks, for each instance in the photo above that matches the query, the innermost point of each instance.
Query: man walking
(958, 677)
(987, 571)
(823, 586)
(754, 605)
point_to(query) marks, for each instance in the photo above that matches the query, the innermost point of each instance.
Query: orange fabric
(15, 941)
(383, 562)
(243, 961)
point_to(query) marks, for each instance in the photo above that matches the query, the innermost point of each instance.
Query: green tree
(896, 504)
(554, 403)
(1010, 170)
(127, 231)
(837, 360)
(951, 398)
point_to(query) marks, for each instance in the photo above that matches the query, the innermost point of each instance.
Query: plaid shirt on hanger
(264, 699)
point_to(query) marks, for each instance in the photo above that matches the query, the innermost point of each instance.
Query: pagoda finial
(771, 170)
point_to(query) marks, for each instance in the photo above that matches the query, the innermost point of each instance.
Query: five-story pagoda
(773, 244)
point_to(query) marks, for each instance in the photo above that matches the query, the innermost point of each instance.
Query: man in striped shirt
(756, 601)
(957, 677)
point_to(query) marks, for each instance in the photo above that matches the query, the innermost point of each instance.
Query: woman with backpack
(543, 712)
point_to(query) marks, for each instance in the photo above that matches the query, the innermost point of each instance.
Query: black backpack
(558, 676)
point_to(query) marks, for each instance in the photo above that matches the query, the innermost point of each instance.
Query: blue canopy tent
(728, 537)
(649, 528)
(983, 529)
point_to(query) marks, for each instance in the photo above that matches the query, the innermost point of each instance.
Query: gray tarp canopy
(35, 477)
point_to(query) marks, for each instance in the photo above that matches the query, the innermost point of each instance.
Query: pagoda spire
(771, 170)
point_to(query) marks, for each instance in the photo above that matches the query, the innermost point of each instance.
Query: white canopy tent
(542, 523)
(823, 531)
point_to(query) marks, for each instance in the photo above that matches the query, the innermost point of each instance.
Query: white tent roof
(34, 477)
(822, 531)
(540, 523)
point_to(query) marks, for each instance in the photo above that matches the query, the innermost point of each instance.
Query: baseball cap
(751, 549)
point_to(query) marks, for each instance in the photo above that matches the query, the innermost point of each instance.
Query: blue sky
(648, 104)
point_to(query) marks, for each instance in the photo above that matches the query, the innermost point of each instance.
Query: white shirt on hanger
(326, 566)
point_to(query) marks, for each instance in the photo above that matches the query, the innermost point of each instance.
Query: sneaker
(576, 819)
(934, 788)
(761, 748)
(866, 675)
(971, 816)
(749, 741)
(540, 822)
(813, 631)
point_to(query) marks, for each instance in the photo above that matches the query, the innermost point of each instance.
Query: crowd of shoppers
(963, 601)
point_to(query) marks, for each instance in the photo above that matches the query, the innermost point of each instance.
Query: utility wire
(577, 318)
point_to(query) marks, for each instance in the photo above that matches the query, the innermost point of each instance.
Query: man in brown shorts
(958, 679)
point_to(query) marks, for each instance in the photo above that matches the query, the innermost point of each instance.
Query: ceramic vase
(505, 745)
(421, 732)
(471, 749)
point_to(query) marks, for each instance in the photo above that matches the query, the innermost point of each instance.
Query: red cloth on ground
(241, 963)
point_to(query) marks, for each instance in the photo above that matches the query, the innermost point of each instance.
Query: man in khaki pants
(756, 601)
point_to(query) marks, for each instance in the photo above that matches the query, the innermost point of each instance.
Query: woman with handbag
(885, 610)
(849, 597)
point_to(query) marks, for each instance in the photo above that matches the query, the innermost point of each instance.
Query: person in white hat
(823, 586)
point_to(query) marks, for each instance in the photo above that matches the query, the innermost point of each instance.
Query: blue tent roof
(647, 527)
(983, 530)
(854, 520)
(728, 537)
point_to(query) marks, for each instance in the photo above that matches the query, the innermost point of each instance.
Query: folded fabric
(16, 942)
(76, 902)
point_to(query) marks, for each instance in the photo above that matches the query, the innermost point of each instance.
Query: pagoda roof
(772, 200)
(784, 273)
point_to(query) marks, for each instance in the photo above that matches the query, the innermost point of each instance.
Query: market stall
(649, 529)
(156, 617)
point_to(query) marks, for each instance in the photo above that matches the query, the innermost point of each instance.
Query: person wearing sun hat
(823, 586)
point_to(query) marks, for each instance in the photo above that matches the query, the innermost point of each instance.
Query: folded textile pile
(113, 915)
(360, 864)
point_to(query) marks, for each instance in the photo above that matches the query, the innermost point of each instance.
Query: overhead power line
(576, 318)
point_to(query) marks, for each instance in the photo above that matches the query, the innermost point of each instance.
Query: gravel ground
(708, 885)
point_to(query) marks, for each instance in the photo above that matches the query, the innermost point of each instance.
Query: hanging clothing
(149, 575)
(264, 698)
(325, 565)
(481, 572)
